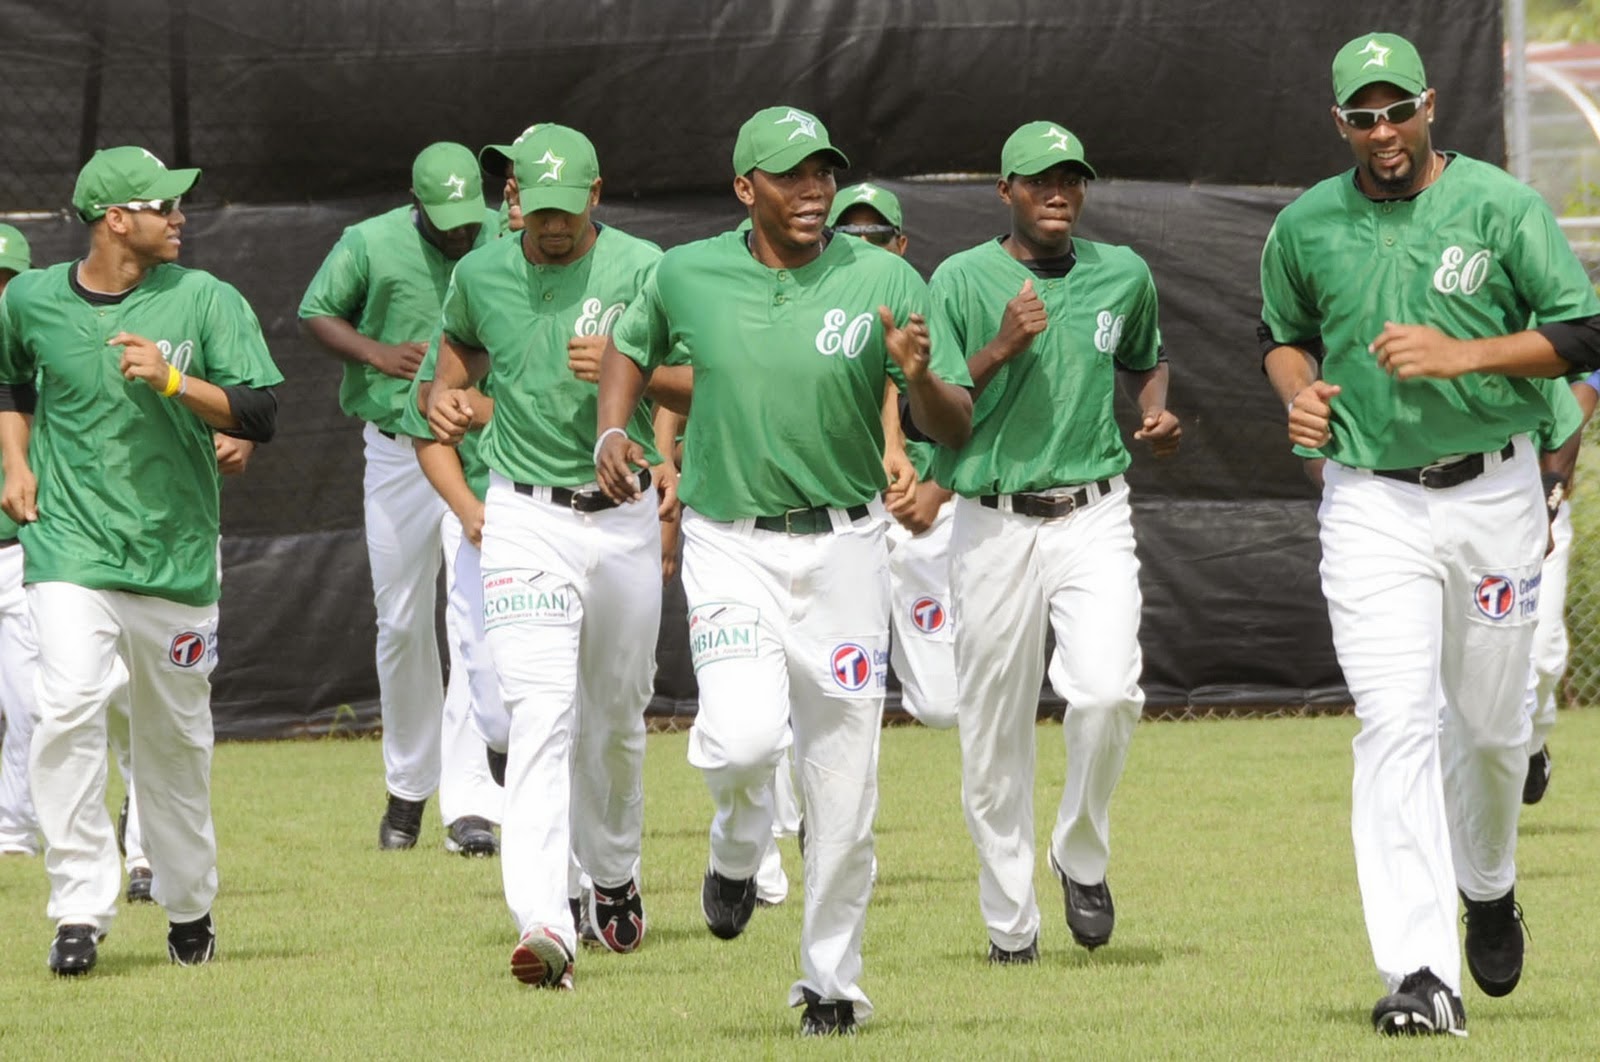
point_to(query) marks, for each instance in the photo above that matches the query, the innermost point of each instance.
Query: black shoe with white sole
(827, 1017)
(401, 824)
(1090, 913)
(1494, 943)
(727, 904)
(74, 950)
(472, 836)
(1423, 1005)
(192, 943)
(1023, 956)
(1538, 779)
(139, 882)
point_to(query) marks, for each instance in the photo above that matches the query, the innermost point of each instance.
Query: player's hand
(1161, 430)
(1024, 319)
(671, 548)
(1313, 469)
(1408, 351)
(19, 500)
(617, 468)
(141, 360)
(665, 478)
(513, 200)
(471, 518)
(583, 357)
(233, 455)
(908, 346)
(449, 414)
(924, 507)
(400, 360)
(1309, 415)
(898, 495)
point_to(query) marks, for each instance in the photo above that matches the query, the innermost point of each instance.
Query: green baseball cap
(1037, 146)
(871, 195)
(778, 138)
(445, 180)
(125, 175)
(555, 167)
(1375, 57)
(496, 158)
(15, 254)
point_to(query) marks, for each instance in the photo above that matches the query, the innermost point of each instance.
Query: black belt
(807, 521)
(7, 543)
(1049, 506)
(1439, 476)
(386, 434)
(583, 501)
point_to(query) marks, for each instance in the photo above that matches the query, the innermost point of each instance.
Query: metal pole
(1517, 32)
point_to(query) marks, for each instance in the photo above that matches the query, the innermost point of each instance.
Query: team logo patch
(723, 630)
(1495, 596)
(852, 667)
(928, 615)
(187, 649)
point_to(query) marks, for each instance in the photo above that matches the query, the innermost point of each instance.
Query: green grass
(1239, 932)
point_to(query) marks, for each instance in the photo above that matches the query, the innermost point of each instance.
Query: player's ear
(744, 189)
(1002, 187)
(594, 194)
(1338, 123)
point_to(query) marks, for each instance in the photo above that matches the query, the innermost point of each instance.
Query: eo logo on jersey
(1108, 331)
(1495, 596)
(928, 615)
(1457, 273)
(837, 337)
(852, 667)
(187, 649)
(178, 356)
(597, 318)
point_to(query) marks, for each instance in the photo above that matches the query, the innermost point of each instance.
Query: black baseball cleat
(827, 1017)
(618, 918)
(1026, 955)
(74, 950)
(1538, 779)
(1422, 1006)
(1494, 943)
(497, 765)
(472, 836)
(401, 824)
(580, 921)
(541, 960)
(139, 880)
(192, 943)
(122, 828)
(727, 904)
(1090, 913)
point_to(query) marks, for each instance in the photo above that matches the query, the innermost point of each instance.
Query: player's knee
(935, 713)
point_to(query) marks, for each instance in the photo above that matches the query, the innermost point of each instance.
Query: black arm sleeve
(18, 398)
(909, 426)
(1161, 357)
(256, 410)
(1575, 341)
(1269, 343)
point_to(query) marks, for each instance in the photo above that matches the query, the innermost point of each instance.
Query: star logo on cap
(3, 240)
(146, 153)
(554, 161)
(804, 124)
(1378, 52)
(1058, 136)
(457, 185)
(868, 192)
(526, 133)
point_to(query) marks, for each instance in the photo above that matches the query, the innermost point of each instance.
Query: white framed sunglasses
(1364, 118)
(164, 207)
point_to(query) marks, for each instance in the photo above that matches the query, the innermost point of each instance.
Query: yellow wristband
(174, 381)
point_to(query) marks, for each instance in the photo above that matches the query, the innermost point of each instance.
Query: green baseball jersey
(1475, 254)
(414, 424)
(1046, 417)
(388, 281)
(8, 528)
(522, 314)
(789, 368)
(128, 479)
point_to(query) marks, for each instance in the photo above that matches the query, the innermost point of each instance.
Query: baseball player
(374, 304)
(114, 482)
(790, 335)
(1042, 536)
(1433, 523)
(19, 826)
(571, 580)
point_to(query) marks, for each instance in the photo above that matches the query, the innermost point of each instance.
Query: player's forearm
(441, 465)
(672, 387)
(983, 365)
(667, 427)
(622, 384)
(208, 402)
(454, 368)
(894, 436)
(1290, 370)
(1149, 388)
(15, 428)
(340, 338)
(941, 410)
(1562, 461)
(1519, 354)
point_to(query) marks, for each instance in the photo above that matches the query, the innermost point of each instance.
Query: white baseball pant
(923, 650)
(91, 643)
(1432, 597)
(789, 636)
(488, 716)
(1550, 644)
(118, 734)
(1011, 575)
(465, 785)
(572, 608)
(19, 825)
(772, 884)
(403, 516)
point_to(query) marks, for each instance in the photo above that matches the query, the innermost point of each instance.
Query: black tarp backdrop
(305, 118)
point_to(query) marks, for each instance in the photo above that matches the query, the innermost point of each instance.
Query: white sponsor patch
(857, 667)
(515, 596)
(192, 648)
(723, 630)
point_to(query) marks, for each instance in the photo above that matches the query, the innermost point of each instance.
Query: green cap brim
(172, 184)
(1029, 167)
(790, 157)
(447, 216)
(15, 263)
(553, 197)
(1409, 85)
(496, 159)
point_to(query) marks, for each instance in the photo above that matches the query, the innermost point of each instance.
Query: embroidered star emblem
(554, 161)
(868, 192)
(1378, 52)
(146, 153)
(3, 240)
(1059, 136)
(804, 124)
(525, 134)
(457, 186)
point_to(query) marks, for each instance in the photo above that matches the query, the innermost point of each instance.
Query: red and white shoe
(542, 960)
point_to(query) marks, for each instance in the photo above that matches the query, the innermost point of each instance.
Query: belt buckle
(1434, 476)
(788, 527)
(1063, 504)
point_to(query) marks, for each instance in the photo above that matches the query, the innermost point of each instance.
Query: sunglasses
(882, 235)
(1364, 118)
(164, 207)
